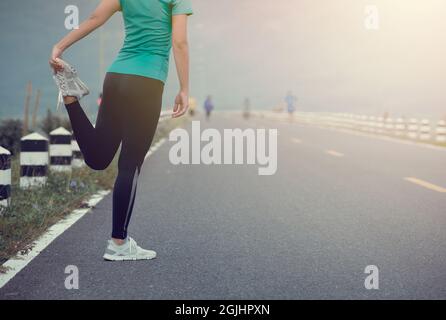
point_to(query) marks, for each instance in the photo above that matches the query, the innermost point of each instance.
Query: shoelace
(132, 245)
(61, 83)
(59, 100)
(60, 79)
(79, 83)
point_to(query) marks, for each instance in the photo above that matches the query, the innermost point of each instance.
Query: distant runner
(290, 100)
(99, 101)
(192, 106)
(247, 108)
(208, 107)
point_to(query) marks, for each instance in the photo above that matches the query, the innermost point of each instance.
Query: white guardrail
(411, 128)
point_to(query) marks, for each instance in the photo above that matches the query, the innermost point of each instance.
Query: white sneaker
(69, 83)
(128, 251)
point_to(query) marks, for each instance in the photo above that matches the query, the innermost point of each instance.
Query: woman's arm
(102, 13)
(180, 48)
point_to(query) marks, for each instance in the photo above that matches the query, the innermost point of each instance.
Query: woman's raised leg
(99, 143)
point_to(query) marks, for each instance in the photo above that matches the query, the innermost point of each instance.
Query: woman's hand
(101, 14)
(54, 59)
(180, 50)
(181, 104)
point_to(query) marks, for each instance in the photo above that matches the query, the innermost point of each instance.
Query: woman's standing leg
(141, 98)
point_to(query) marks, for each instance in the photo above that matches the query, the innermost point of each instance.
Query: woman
(131, 103)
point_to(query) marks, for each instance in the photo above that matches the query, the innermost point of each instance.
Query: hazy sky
(319, 49)
(322, 51)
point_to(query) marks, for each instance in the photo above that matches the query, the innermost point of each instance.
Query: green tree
(51, 122)
(10, 134)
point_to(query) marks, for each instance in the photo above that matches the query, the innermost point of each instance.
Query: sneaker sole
(109, 257)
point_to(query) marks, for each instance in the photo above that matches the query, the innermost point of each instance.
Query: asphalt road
(338, 203)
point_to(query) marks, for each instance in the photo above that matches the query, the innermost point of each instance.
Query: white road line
(334, 153)
(426, 184)
(295, 140)
(155, 147)
(14, 265)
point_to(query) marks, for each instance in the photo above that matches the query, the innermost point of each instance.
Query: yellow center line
(426, 184)
(334, 153)
(295, 140)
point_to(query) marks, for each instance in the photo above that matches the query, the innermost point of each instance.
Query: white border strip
(16, 264)
(155, 147)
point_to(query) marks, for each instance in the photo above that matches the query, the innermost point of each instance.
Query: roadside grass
(33, 211)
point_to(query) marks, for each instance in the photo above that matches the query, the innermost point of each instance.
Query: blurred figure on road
(192, 106)
(99, 101)
(247, 108)
(290, 100)
(208, 106)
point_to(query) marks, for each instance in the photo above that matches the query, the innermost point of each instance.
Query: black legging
(128, 113)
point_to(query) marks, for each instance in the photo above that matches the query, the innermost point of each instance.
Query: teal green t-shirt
(148, 36)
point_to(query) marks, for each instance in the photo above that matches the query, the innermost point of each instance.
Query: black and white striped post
(412, 128)
(5, 177)
(61, 153)
(33, 160)
(425, 130)
(371, 123)
(400, 127)
(78, 158)
(365, 123)
(380, 125)
(389, 126)
(440, 131)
